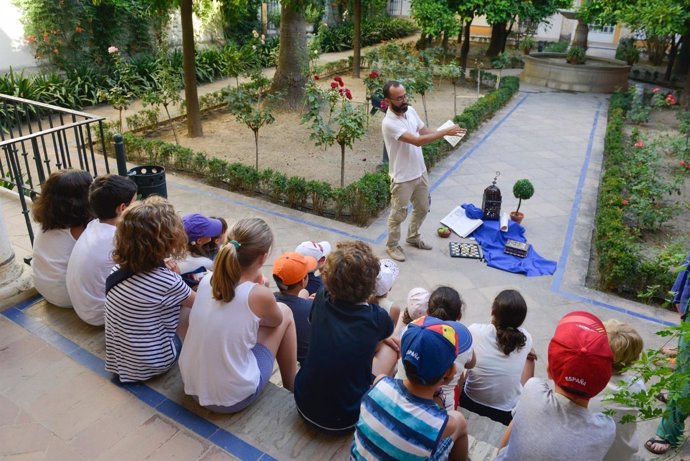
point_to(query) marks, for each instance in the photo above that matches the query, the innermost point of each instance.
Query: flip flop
(654, 440)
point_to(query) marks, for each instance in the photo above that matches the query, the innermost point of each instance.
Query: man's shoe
(419, 243)
(396, 253)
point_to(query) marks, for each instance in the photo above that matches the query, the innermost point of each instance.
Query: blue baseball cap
(432, 345)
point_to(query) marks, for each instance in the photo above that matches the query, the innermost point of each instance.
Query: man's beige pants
(402, 193)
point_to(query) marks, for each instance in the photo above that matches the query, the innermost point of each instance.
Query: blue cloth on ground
(472, 211)
(493, 242)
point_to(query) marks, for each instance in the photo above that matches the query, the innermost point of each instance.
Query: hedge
(622, 264)
(359, 201)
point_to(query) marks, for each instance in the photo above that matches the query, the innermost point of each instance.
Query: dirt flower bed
(285, 146)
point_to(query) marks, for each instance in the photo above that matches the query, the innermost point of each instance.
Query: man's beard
(400, 109)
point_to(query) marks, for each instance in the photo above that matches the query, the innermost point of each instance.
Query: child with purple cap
(429, 348)
(557, 424)
(200, 231)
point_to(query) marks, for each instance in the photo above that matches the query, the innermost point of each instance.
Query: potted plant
(527, 44)
(522, 190)
(575, 55)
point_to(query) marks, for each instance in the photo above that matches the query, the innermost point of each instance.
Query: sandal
(657, 441)
(662, 397)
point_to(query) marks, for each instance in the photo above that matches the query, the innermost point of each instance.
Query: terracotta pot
(517, 216)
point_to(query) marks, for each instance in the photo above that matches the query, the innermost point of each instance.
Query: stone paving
(53, 405)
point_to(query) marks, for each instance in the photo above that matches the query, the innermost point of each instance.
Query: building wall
(15, 51)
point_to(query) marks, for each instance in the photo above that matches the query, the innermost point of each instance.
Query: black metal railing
(37, 138)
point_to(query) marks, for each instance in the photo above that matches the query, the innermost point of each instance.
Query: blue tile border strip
(556, 284)
(176, 412)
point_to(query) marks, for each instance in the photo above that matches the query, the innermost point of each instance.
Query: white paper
(503, 220)
(452, 140)
(458, 222)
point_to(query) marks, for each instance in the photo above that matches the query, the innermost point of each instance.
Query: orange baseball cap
(292, 267)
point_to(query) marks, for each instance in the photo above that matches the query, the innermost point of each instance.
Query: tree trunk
(682, 65)
(465, 49)
(172, 125)
(293, 58)
(460, 32)
(342, 166)
(671, 58)
(498, 34)
(357, 38)
(256, 145)
(444, 43)
(190, 94)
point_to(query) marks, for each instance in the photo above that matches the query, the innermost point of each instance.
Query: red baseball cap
(580, 358)
(292, 267)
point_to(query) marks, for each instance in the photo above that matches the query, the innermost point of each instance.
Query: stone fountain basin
(596, 75)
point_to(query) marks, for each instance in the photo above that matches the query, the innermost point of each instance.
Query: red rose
(316, 77)
(639, 143)
(334, 85)
(624, 202)
(373, 74)
(656, 90)
(341, 83)
(338, 79)
(348, 95)
(682, 163)
(384, 105)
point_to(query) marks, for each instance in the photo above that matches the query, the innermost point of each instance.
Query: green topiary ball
(523, 189)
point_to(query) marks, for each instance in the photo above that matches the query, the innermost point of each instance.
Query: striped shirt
(141, 317)
(397, 425)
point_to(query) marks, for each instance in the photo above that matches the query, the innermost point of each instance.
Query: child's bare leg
(460, 448)
(384, 361)
(282, 342)
(183, 325)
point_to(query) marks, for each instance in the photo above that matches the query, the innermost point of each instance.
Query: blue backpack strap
(116, 277)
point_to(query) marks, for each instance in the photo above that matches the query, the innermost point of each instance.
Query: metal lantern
(491, 203)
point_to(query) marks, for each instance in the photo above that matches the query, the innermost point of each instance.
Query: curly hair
(350, 271)
(249, 238)
(509, 311)
(64, 200)
(445, 303)
(148, 232)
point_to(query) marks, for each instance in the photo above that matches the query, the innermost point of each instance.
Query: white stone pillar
(14, 277)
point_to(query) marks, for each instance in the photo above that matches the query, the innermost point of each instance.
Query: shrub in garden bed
(628, 205)
(357, 202)
(339, 37)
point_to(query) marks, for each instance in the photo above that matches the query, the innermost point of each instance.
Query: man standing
(404, 134)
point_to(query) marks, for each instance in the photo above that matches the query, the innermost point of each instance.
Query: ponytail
(509, 311)
(226, 274)
(249, 239)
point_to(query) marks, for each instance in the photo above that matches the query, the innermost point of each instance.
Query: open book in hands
(452, 140)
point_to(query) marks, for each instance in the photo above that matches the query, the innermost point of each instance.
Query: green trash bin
(150, 180)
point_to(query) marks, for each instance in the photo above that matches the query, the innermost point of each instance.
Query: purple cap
(199, 226)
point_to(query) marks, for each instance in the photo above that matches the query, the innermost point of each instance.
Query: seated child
(384, 283)
(318, 251)
(213, 247)
(417, 306)
(62, 209)
(445, 304)
(626, 345)
(347, 338)
(236, 329)
(290, 272)
(146, 304)
(91, 261)
(556, 424)
(200, 231)
(399, 419)
(505, 360)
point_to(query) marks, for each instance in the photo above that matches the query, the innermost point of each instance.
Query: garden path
(57, 403)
